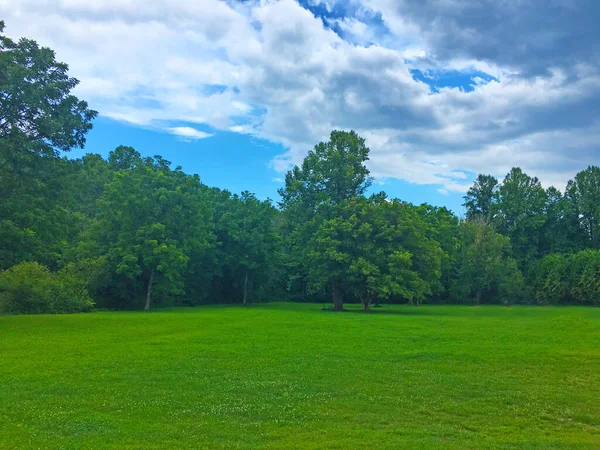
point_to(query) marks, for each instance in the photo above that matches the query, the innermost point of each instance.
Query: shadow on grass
(405, 311)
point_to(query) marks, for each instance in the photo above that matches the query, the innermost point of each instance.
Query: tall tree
(151, 220)
(249, 239)
(561, 232)
(36, 104)
(521, 206)
(38, 117)
(584, 193)
(485, 270)
(481, 198)
(333, 172)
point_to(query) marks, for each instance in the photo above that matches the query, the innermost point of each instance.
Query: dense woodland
(130, 232)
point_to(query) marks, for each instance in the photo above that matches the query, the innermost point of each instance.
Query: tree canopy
(130, 231)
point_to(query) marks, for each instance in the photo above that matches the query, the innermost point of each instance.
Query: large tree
(151, 221)
(481, 198)
(520, 216)
(332, 173)
(375, 249)
(246, 232)
(38, 117)
(584, 193)
(485, 270)
(36, 104)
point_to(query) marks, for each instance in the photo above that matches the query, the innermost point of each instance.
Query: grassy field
(293, 376)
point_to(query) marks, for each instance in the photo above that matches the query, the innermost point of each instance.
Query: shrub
(30, 288)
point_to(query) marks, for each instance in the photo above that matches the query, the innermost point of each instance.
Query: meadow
(286, 375)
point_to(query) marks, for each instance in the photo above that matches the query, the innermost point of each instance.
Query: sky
(239, 91)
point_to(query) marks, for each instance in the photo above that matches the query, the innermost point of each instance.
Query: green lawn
(294, 376)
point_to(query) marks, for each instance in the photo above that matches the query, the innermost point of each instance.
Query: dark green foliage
(569, 279)
(36, 105)
(520, 214)
(30, 288)
(151, 221)
(248, 243)
(584, 194)
(38, 116)
(485, 271)
(481, 198)
(143, 233)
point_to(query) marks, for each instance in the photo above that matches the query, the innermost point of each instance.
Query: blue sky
(234, 161)
(239, 91)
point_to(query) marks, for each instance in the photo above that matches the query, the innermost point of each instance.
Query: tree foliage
(130, 231)
(30, 288)
(36, 104)
(485, 271)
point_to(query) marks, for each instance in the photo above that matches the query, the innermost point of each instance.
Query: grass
(294, 376)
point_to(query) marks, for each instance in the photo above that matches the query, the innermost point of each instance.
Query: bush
(30, 288)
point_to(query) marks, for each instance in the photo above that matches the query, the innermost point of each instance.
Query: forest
(132, 232)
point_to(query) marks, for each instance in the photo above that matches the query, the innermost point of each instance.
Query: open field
(293, 376)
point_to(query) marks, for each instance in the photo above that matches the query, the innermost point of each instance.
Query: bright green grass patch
(293, 376)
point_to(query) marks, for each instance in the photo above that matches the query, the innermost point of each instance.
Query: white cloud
(272, 69)
(189, 133)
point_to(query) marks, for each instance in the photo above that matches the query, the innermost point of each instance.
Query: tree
(36, 105)
(484, 268)
(481, 198)
(375, 249)
(151, 220)
(584, 193)
(441, 226)
(249, 238)
(332, 173)
(38, 117)
(521, 206)
(568, 279)
(560, 233)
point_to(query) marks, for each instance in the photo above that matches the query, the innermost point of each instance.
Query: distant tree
(442, 226)
(419, 276)
(481, 198)
(485, 271)
(561, 232)
(520, 216)
(568, 279)
(124, 157)
(584, 194)
(251, 239)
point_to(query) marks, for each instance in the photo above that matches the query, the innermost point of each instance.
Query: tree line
(129, 231)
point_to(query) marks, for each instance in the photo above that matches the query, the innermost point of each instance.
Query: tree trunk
(338, 300)
(246, 288)
(149, 291)
(478, 297)
(367, 305)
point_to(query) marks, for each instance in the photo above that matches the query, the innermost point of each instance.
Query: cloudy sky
(239, 90)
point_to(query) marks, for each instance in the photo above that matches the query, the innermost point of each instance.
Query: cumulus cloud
(275, 70)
